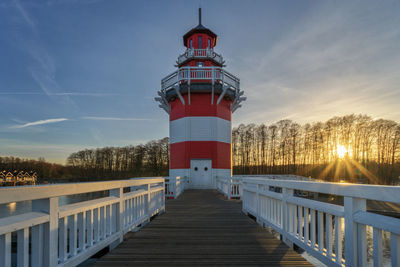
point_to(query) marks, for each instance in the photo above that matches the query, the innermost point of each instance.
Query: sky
(78, 74)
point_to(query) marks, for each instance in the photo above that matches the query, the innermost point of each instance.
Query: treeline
(352, 148)
(44, 170)
(150, 159)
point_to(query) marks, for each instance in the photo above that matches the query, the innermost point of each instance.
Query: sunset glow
(341, 151)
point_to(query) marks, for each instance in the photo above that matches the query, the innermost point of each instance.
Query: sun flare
(341, 151)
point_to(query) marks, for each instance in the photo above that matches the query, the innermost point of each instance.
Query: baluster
(329, 235)
(89, 227)
(377, 249)
(313, 225)
(108, 219)
(306, 226)
(127, 208)
(135, 210)
(140, 205)
(320, 232)
(104, 222)
(5, 250)
(295, 219)
(82, 231)
(130, 210)
(37, 245)
(96, 224)
(23, 247)
(279, 204)
(338, 239)
(395, 249)
(113, 218)
(362, 244)
(300, 220)
(289, 219)
(72, 221)
(62, 245)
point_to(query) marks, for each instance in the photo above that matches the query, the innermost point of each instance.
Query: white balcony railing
(174, 186)
(231, 188)
(333, 233)
(209, 74)
(53, 235)
(200, 54)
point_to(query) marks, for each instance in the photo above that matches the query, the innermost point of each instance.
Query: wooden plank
(201, 227)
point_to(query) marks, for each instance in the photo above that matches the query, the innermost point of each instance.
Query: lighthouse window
(195, 168)
(205, 168)
(200, 42)
(209, 43)
(191, 43)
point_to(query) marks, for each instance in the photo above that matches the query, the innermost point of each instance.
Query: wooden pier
(201, 227)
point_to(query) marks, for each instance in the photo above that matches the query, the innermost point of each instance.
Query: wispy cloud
(43, 71)
(39, 122)
(339, 59)
(61, 94)
(114, 119)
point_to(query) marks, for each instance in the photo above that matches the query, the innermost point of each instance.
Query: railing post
(355, 238)
(148, 201)
(286, 192)
(230, 189)
(258, 206)
(118, 192)
(174, 188)
(163, 198)
(50, 239)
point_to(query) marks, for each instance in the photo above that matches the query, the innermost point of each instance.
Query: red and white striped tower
(200, 98)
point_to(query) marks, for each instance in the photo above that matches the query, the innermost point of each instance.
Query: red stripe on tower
(182, 153)
(200, 106)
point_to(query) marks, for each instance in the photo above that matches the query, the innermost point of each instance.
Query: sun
(341, 151)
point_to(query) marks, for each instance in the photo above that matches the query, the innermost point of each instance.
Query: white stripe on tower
(200, 129)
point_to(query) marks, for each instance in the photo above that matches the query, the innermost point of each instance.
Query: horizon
(84, 74)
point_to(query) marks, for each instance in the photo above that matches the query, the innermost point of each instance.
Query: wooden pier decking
(202, 228)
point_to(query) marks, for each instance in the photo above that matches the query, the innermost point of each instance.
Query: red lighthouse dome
(200, 97)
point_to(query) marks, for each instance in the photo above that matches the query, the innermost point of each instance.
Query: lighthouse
(200, 97)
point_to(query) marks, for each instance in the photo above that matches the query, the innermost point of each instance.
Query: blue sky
(78, 74)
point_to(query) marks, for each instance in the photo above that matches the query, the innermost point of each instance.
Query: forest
(352, 148)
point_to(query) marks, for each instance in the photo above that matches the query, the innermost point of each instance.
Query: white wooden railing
(174, 186)
(53, 235)
(189, 74)
(231, 187)
(200, 54)
(321, 228)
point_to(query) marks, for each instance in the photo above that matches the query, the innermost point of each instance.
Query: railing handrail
(32, 192)
(174, 186)
(200, 53)
(217, 74)
(372, 192)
